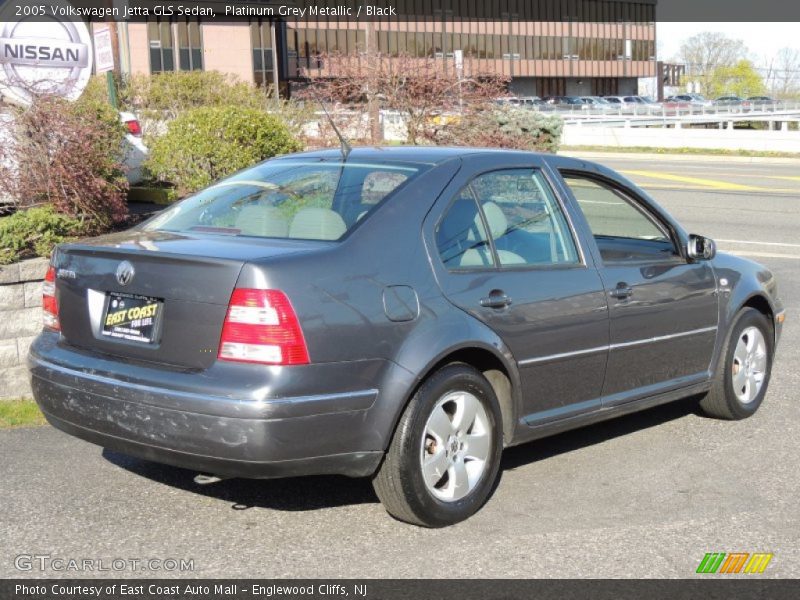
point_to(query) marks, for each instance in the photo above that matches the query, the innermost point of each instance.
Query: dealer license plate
(131, 317)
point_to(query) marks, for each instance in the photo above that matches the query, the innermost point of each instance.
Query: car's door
(505, 252)
(663, 307)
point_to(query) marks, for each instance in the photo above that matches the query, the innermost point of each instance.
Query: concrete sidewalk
(650, 156)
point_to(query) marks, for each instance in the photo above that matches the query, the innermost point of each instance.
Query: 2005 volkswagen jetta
(405, 314)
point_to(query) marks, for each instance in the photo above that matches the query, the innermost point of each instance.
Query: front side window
(623, 229)
(514, 211)
(288, 199)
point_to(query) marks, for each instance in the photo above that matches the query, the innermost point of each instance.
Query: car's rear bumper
(286, 436)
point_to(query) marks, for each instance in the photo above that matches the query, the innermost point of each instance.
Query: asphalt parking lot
(643, 496)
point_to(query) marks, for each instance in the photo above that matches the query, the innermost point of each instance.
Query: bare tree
(419, 88)
(707, 52)
(786, 74)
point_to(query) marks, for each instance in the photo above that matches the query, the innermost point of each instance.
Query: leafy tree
(741, 79)
(705, 53)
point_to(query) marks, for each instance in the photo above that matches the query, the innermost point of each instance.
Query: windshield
(309, 200)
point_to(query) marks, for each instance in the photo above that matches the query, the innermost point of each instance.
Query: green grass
(20, 413)
(698, 151)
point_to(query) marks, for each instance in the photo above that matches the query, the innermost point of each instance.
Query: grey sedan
(400, 313)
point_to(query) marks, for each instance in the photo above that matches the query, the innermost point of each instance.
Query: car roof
(439, 154)
(408, 154)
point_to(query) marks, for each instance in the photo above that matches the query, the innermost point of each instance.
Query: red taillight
(134, 128)
(262, 327)
(49, 302)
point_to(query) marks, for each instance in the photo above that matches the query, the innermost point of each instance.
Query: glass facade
(550, 41)
(507, 47)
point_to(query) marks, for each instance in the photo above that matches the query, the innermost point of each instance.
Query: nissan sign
(44, 56)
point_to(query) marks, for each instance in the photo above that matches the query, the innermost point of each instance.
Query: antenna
(346, 148)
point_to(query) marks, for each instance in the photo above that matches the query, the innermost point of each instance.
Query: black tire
(721, 401)
(399, 482)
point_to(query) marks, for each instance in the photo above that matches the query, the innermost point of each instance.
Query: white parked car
(135, 150)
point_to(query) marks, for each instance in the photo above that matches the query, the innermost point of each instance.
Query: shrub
(205, 144)
(67, 155)
(34, 232)
(160, 99)
(506, 127)
(174, 92)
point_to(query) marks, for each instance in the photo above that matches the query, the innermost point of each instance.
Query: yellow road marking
(759, 176)
(709, 183)
(782, 177)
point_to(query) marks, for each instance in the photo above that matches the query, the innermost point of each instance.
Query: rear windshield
(308, 200)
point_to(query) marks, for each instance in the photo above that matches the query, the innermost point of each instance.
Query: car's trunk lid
(188, 277)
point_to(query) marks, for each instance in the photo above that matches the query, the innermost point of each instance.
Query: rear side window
(288, 199)
(461, 236)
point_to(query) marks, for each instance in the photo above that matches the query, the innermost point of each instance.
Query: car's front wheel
(744, 368)
(443, 460)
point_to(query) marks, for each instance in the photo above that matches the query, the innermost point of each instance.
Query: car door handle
(622, 291)
(496, 299)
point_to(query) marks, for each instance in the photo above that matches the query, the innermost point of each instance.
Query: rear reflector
(262, 327)
(49, 302)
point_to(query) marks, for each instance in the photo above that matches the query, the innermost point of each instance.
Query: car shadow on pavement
(576, 439)
(327, 491)
(289, 494)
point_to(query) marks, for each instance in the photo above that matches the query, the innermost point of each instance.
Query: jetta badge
(125, 272)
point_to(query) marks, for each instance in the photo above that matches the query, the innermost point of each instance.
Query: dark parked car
(404, 314)
(762, 101)
(733, 101)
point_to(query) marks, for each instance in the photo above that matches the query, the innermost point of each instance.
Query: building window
(162, 56)
(161, 37)
(261, 42)
(190, 47)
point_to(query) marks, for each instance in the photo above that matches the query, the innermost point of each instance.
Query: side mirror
(701, 248)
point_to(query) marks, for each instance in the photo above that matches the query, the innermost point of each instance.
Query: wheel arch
(499, 370)
(496, 372)
(761, 304)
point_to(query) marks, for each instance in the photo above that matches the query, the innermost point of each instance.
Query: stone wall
(20, 322)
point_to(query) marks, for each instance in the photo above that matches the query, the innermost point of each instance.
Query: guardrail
(666, 109)
(676, 116)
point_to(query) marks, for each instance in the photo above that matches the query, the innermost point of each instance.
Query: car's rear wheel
(442, 464)
(744, 369)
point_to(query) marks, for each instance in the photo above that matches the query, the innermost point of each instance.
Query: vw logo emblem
(125, 272)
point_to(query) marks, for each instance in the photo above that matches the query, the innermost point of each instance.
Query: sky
(762, 39)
